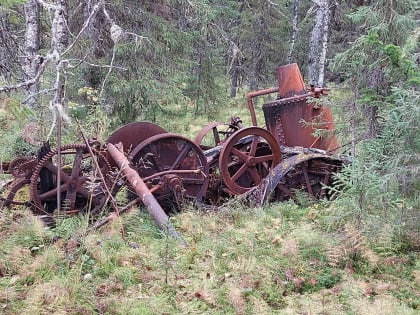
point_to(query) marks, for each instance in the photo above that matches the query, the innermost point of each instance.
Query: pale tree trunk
(315, 50)
(31, 63)
(235, 75)
(323, 55)
(60, 36)
(59, 42)
(294, 30)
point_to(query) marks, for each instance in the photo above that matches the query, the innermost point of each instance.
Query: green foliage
(13, 117)
(391, 20)
(11, 3)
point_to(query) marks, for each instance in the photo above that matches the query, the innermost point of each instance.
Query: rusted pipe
(251, 95)
(141, 189)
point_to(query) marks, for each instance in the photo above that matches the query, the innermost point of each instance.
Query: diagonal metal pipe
(141, 189)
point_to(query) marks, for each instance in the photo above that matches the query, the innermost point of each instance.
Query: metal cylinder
(141, 189)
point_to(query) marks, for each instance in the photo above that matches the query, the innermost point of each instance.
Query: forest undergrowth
(332, 257)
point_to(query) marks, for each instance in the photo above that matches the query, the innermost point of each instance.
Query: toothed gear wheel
(82, 189)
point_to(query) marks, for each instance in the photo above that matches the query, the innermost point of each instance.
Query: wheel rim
(308, 179)
(217, 131)
(81, 188)
(247, 157)
(169, 159)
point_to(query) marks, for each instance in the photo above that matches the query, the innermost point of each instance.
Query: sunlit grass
(279, 259)
(239, 260)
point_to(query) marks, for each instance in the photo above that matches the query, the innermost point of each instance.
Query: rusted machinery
(291, 156)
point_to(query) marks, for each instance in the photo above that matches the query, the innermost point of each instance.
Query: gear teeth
(38, 207)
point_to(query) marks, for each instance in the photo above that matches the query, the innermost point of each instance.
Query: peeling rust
(281, 161)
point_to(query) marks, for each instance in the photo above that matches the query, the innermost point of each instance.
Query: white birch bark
(324, 47)
(314, 44)
(294, 30)
(59, 42)
(31, 47)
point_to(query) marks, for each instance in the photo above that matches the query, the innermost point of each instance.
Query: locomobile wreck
(292, 154)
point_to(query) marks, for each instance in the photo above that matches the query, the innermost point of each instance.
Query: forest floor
(279, 259)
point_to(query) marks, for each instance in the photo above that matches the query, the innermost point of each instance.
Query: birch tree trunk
(315, 50)
(59, 33)
(294, 30)
(31, 47)
(59, 42)
(324, 47)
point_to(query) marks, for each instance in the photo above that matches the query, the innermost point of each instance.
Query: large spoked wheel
(173, 167)
(247, 157)
(308, 180)
(81, 188)
(213, 134)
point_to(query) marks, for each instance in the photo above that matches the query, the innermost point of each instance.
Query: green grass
(281, 259)
(244, 261)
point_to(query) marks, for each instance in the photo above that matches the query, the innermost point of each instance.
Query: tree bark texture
(294, 30)
(255, 65)
(235, 75)
(8, 48)
(59, 30)
(324, 47)
(31, 63)
(316, 47)
(59, 42)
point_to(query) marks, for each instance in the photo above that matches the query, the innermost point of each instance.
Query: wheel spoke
(259, 151)
(52, 194)
(254, 175)
(177, 163)
(254, 144)
(185, 149)
(216, 136)
(263, 158)
(307, 180)
(53, 169)
(75, 174)
(239, 172)
(240, 154)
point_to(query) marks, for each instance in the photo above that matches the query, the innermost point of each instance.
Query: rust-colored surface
(249, 98)
(175, 164)
(150, 202)
(78, 181)
(218, 132)
(22, 166)
(166, 169)
(132, 134)
(247, 157)
(294, 120)
(290, 81)
(304, 172)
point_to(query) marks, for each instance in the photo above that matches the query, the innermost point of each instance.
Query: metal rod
(141, 189)
(249, 97)
(58, 161)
